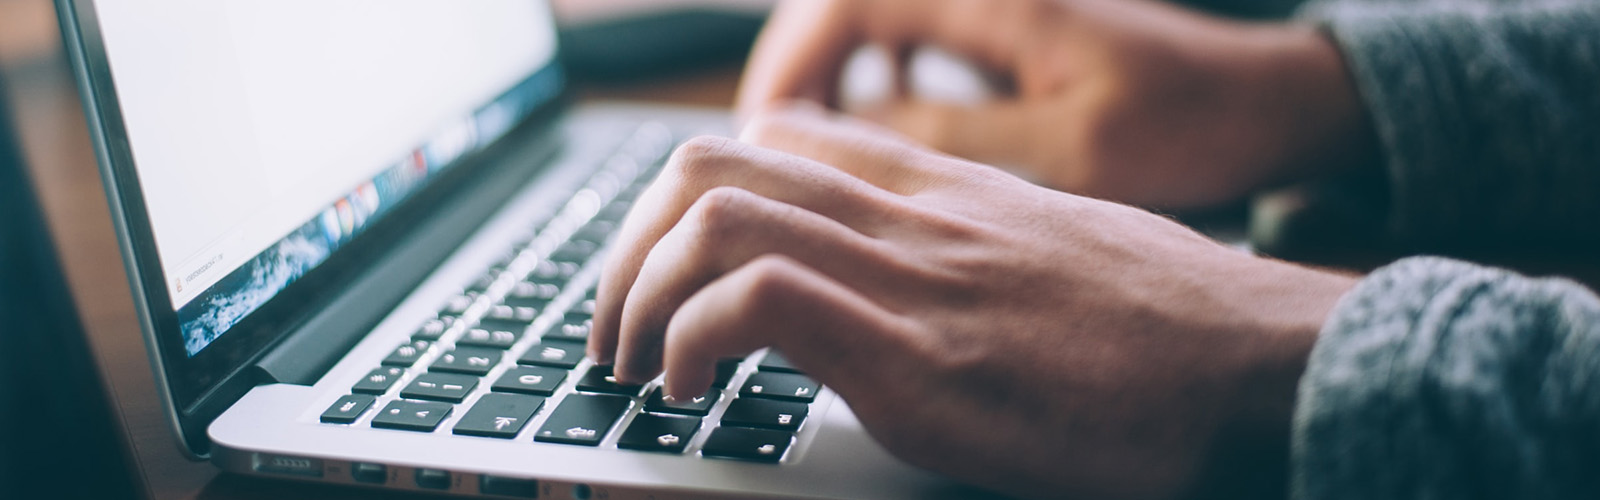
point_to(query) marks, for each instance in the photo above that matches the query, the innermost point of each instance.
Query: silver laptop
(362, 237)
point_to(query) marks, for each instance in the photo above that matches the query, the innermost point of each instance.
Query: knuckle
(696, 156)
(769, 284)
(721, 214)
(770, 128)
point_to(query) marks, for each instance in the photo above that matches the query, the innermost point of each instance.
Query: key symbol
(478, 361)
(801, 391)
(784, 419)
(452, 387)
(757, 389)
(553, 353)
(767, 449)
(408, 351)
(667, 439)
(501, 422)
(349, 405)
(378, 379)
(580, 433)
(699, 399)
(530, 379)
(423, 414)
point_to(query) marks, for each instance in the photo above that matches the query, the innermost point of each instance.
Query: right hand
(1130, 100)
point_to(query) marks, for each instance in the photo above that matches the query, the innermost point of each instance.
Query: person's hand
(980, 326)
(1129, 100)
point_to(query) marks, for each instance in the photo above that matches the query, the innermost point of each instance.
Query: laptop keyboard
(482, 358)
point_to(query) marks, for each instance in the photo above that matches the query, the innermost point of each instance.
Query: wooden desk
(55, 140)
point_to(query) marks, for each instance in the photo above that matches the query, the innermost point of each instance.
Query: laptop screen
(266, 135)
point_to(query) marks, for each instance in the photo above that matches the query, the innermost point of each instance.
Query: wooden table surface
(58, 151)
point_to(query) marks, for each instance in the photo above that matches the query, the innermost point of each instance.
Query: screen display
(267, 134)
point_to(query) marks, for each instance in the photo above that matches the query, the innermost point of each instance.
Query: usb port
(289, 465)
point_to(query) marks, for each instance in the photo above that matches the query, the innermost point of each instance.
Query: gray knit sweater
(1438, 379)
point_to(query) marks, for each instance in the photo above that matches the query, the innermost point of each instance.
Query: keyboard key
(553, 272)
(600, 379)
(508, 486)
(787, 386)
(347, 409)
(433, 479)
(511, 314)
(459, 304)
(659, 433)
(490, 337)
(577, 331)
(726, 369)
(469, 360)
(533, 295)
(760, 445)
(564, 355)
(432, 329)
(775, 362)
(765, 413)
(408, 353)
(582, 419)
(575, 251)
(378, 381)
(440, 387)
(499, 415)
(579, 317)
(537, 380)
(699, 405)
(411, 415)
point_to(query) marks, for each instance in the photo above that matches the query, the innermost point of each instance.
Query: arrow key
(411, 415)
(699, 405)
(499, 415)
(662, 433)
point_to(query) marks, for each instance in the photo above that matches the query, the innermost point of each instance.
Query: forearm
(1439, 379)
(1486, 115)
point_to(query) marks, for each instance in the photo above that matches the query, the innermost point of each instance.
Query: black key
(440, 387)
(575, 251)
(411, 415)
(760, 445)
(458, 304)
(378, 381)
(786, 386)
(499, 415)
(564, 355)
(765, 413)
(585, 307)
(576, 332)
(775, 362)
(487, 337)
(469, 360)
(600, 379)
(699, 405)
(432, 329)
(582, 419)
(537, 380)
(553, 272)
(659, 433)
(533, 295)
(433, 479)
(580, 317)
(508, 486)
(407, 354)
(511, 314)
(347, 409)
(726, 369)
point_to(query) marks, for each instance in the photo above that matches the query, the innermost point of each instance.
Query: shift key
(583, 419)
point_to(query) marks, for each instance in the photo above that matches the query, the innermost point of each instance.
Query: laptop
(362, 237)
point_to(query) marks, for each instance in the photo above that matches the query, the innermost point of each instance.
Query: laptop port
(293, 466)
(369, 473)
(506, 486)
(433, 479)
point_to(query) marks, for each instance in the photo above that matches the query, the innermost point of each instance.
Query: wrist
(1327, 130)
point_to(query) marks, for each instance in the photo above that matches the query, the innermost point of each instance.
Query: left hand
(1106, 352)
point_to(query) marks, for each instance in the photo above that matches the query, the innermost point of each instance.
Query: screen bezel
(192, 386)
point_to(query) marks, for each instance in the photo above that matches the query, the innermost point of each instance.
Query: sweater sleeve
(1438, 379)
(1487, 114)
